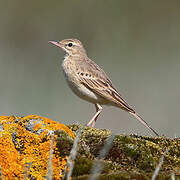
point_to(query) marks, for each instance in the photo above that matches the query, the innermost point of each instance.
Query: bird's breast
(76, 86)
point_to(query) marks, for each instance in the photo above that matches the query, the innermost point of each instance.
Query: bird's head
(72, 47)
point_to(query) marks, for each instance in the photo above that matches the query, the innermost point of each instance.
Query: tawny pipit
(88, 81)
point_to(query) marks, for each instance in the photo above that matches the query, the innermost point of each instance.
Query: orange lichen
(26, 141)
(11, 162)
(52, 125)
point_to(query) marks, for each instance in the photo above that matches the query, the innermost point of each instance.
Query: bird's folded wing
(106, 90)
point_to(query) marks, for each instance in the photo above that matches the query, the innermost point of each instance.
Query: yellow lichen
(21, 147)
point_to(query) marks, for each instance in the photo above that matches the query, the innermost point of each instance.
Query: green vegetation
(131, 157)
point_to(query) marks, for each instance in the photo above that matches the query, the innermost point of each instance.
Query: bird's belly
(80, 90)
(85, 93)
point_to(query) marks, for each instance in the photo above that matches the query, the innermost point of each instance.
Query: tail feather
(141, 120)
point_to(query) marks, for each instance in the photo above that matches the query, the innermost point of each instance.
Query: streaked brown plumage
(88, 81)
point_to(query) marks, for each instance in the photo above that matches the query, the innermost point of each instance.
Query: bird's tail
(141, 120)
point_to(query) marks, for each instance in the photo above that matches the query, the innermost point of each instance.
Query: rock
(34, 147)
(25, 147)
(130, 157)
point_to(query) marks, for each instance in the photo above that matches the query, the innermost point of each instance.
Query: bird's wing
(94, 78)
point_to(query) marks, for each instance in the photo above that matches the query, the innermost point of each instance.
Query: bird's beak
(56, 43)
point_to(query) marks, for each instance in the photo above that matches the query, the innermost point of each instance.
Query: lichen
(26, 141)
(25, 150)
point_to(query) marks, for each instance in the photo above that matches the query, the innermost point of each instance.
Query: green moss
(131, 157)
(82, 166)
(64, 143)
(124, 176)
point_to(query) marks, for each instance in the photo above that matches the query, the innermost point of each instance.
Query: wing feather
(94, 78)
(107, 92)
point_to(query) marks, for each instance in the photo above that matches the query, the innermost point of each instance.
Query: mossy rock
(25, 144)
(130, 157)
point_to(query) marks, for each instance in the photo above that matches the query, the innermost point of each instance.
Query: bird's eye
(70, 44)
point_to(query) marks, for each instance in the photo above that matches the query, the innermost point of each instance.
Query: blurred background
(137, 43)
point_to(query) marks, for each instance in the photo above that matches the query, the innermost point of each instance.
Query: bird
(89, 82)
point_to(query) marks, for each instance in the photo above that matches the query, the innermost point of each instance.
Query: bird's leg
(98, 109)
(94, 118)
